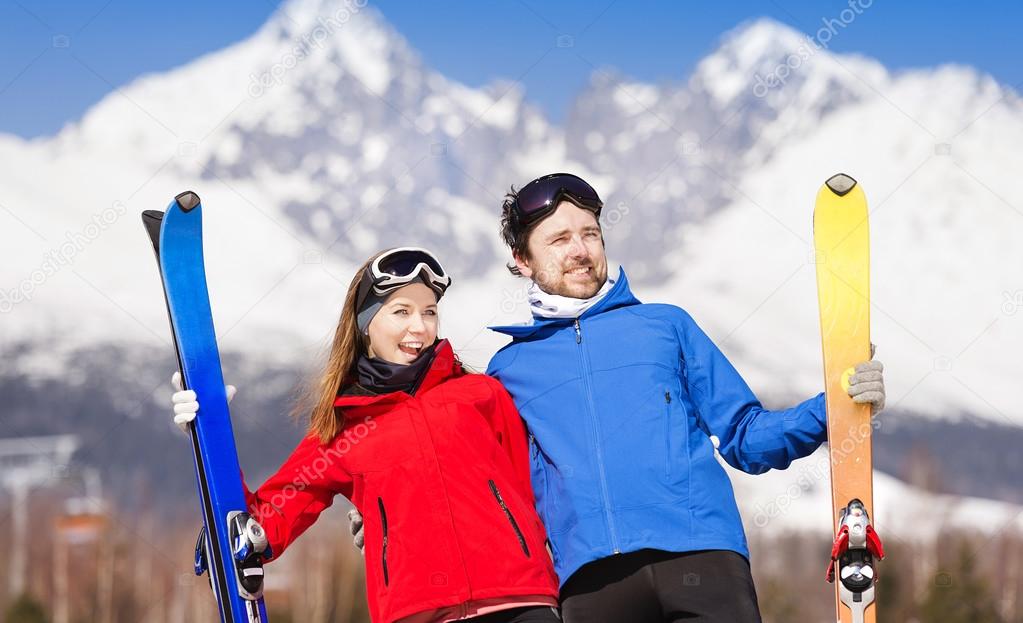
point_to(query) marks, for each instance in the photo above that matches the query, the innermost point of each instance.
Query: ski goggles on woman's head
(399, 267)
(540, 197)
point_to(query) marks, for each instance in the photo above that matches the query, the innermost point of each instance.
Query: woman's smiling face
(405, 325)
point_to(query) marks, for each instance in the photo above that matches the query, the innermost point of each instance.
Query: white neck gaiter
(547, 305)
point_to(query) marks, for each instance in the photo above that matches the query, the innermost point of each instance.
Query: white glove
(185, 403)
(866, 385)
(358, 533)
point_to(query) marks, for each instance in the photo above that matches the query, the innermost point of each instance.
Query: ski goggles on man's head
(399, 267)
(540, 197)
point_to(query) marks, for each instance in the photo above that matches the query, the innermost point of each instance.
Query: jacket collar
(445, 366)
(619, 296)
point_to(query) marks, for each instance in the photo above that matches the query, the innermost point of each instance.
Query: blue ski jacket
(620, 405)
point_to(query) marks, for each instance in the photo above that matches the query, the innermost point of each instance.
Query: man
(625, 404)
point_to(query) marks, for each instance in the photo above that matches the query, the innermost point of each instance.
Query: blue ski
(232, 545)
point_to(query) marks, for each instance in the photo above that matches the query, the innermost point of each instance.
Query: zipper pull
(578, 333)
(667, 397)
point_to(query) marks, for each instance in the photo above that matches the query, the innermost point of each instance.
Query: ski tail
(152, 220)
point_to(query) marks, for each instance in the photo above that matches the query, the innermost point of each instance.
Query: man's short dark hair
(512, 232)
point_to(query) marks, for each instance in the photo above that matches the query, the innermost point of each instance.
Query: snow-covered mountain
(324, 137)
(312, 143)
(728, 167)
(934, 151)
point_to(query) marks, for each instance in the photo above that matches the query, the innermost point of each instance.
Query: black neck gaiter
(384, 377)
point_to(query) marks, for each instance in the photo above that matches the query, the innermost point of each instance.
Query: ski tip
(840, 184)
(187, 200)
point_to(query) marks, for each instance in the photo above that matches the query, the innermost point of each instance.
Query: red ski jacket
(442, 481)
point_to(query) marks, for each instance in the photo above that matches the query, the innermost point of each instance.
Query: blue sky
(57, 58)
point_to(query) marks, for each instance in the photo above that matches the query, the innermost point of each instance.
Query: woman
(434, 458)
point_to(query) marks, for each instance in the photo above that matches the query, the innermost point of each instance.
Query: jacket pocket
(538, 477)
(383, 550)
(676, 435)
(511, 518)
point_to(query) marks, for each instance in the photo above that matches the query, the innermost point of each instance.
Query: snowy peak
(761, 58)
(749, 49)
(362, 137)
(348, 33)
(764, 85)
(328, 115)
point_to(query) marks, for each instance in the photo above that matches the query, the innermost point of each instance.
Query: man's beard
(556, 282)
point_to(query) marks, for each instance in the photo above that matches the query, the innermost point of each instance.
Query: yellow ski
(842, 246)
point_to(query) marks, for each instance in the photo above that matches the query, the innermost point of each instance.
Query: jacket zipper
(383, 555)
(511, 518)
(596, 442)
(667, 433)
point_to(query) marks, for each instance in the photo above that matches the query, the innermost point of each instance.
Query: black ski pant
(653, 586)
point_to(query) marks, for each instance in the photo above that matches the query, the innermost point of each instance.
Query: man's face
(566, 253)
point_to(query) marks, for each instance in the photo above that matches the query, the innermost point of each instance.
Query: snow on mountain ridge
(310, 158)
(759, 57)
(731, 177)
(368, 55)
(678, 150)
(942, 244)
(758, 46)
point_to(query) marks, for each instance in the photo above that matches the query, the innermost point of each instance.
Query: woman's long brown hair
(317, 398)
